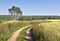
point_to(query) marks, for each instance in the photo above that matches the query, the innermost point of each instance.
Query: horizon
(33, 15)
(32, 7)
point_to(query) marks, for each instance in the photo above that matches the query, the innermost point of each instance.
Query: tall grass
(47, 31)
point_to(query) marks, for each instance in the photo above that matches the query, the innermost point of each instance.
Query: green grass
(7, 31)
(21, 37)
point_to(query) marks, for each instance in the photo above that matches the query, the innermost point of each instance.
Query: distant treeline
(39, 17)
(10, 17)
(5, 17)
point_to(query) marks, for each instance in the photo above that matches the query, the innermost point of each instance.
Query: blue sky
(32, 7)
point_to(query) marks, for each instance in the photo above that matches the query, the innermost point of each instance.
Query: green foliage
(6, 17)
(27, 18)
(38, 17)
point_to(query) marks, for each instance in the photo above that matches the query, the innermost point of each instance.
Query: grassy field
(7, 28)
(43, 30)
(47, 31)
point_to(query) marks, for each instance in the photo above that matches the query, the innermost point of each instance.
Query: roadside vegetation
(6, 29)
(46, 31)
(22, 35)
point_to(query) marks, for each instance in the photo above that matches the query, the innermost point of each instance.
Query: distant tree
(15, 11)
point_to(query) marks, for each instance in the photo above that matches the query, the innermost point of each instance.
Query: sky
(32, 7)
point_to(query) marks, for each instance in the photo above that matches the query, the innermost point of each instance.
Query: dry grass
(47, 31)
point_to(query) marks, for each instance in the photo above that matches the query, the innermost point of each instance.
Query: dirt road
(16, 34)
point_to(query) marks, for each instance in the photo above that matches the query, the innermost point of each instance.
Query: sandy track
(16, 34)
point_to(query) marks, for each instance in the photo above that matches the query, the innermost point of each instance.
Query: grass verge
(22, 35)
